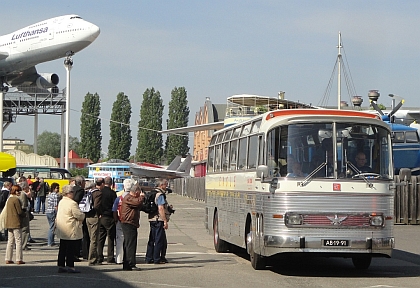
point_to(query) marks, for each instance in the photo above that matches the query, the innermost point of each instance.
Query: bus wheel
(361, 263)
(257, 261)
(220, 245)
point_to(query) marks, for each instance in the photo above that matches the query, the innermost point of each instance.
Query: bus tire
(361, 263)
(257, 261)
(220, 245)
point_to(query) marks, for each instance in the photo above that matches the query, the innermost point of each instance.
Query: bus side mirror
(262, 172)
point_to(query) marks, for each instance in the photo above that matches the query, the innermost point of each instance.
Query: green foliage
(79, 171)
(149, 147)
(120, 132)
(177, 144)
(49, 143)
(24, 148)
(382, 106)
(90, 128)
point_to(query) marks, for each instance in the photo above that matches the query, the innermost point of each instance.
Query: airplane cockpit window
(75, 17)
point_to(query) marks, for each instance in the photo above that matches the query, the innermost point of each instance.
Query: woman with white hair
(119, 239)
(69, 229)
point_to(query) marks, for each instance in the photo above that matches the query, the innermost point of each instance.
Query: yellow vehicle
(50, 174)
(7, 164)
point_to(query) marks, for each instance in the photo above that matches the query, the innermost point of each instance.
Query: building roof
(74, 158)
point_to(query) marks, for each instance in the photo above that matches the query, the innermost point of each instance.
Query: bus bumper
(278, 244)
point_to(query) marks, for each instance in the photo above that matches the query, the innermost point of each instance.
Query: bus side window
(56, 175)
(44, 175)
(399, 137)
(242, 154)
(253, 151)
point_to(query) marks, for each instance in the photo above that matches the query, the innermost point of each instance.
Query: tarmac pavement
(41, 268)
(194, 263)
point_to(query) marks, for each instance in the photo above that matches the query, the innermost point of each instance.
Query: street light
(68, 64)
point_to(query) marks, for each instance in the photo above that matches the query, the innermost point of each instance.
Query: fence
(191, 187)
(406, 201)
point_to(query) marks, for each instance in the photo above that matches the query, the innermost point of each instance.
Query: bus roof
(113, 163)
(320, 112)
(7, 162)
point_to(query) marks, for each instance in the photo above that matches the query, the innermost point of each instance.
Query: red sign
(336, 187)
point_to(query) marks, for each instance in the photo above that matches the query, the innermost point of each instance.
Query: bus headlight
(376, 220)
(294, 219)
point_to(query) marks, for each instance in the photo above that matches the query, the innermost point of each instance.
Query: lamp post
(68, 64)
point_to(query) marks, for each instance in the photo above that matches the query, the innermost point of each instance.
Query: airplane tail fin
(175, 163)
(185, 165)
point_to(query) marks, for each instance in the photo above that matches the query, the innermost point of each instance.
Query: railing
(407, 201)
(407, 197)
(191, 187)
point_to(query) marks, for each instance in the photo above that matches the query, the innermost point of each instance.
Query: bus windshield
(329, 150)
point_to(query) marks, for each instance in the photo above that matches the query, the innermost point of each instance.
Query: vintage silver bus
(314, 181)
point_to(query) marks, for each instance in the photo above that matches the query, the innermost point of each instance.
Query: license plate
(335, 243)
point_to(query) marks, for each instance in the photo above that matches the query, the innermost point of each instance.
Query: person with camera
(130, 222)
(157, 244)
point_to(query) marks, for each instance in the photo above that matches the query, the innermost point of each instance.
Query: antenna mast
(339, 70)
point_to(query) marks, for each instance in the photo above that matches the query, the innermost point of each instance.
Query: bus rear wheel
(361, 263)
(220, 245)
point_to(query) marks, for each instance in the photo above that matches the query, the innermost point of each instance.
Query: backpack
(4, 194)
(86, 204)
(149, 205)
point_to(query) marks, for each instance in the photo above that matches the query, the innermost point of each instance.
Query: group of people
(114, 217)
(15, 216)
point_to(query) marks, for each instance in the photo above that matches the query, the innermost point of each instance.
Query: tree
(120, 142)
(49, 143)
(177, 144)
(79, 171)
(149, 148)
(90, 128)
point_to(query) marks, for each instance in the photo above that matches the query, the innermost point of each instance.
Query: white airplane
(41, 42)
(176, 169)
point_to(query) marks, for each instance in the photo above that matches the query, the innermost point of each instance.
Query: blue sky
(220, 48)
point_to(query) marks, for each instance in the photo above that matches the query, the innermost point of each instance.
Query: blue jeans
(157, 238)
(40, 203)
(51, 221)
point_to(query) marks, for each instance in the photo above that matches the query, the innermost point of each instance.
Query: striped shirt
(52, 202)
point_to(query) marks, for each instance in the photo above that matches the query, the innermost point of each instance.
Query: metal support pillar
(68, 64)
(1, 120)
(62, 142)
(36, 133)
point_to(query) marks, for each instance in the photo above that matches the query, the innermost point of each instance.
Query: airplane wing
(25, 77)
(181, 170)
(32, 82)
(202, 127)
(3, 55)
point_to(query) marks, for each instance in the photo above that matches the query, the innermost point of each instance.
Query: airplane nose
(95, 31)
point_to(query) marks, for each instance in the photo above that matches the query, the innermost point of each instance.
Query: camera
(171, 210)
